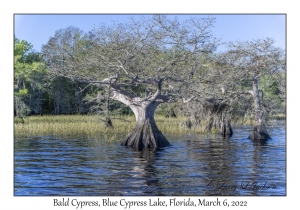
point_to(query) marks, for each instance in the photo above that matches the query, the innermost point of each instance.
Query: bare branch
(185, 101)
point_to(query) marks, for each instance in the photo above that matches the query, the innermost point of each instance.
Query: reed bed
(92, 126)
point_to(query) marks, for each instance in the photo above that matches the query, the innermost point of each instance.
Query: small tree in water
(234, 76)
(154, 56)
(244, 64)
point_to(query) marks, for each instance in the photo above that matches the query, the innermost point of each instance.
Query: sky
(38, 28)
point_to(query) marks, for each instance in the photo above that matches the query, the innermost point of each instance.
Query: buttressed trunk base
(225, 129)
(259, 133)
(145, 133)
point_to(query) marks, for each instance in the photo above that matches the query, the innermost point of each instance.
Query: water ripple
(192, 165)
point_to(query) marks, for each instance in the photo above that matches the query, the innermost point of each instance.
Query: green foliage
(21, 48)
(29, 75)
(269, 85)
(272, 92)
(22, 92)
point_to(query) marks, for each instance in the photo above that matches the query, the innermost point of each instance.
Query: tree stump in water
(225, 129)
(259, 133)
(145, 135)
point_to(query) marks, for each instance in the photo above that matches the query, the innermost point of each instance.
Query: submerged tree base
(259, 134)
(225, 129)
(145, 136)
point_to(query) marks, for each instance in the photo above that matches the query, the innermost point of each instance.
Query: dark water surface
(193, 165)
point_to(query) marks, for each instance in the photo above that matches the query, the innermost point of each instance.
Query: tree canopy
(149, 61)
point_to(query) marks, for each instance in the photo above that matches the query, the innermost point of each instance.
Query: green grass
(92, 127)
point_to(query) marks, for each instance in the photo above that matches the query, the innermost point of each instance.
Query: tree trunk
(225, 129)
(259, 131)
(145, 133)
(108, 123)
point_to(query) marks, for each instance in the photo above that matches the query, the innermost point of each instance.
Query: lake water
(192, 165)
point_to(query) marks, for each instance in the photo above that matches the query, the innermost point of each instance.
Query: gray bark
(145, 133)
(259, 131)
(108, 123)
(225, 129)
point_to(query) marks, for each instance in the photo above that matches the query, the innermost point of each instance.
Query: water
(193, 165)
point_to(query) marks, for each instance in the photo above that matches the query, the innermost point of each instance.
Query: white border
(8, 8)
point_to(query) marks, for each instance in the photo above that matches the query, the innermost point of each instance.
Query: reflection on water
(192, 165)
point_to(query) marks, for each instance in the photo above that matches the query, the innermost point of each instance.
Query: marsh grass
(270, 119)
(92, 126)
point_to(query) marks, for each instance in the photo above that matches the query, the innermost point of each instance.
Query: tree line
(136, 66)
